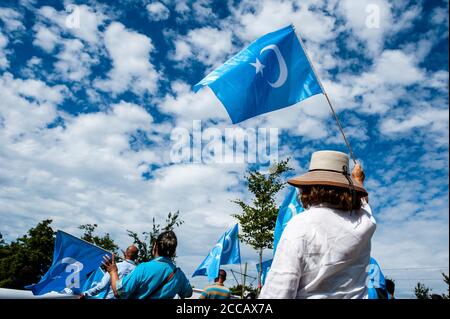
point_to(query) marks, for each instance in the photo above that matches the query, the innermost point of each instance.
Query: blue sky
(88, 106)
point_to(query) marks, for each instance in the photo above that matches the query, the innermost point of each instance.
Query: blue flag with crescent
(272, 73)
(73, 261)
(288, 209)
(225, 252)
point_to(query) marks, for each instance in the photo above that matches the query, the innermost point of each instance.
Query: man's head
(131, 253)
(390, 287)
(222, 276)
(165, 245)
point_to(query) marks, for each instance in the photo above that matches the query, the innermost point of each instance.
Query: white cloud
(261, 17)
(4, 63)
(12, 20)
(207, 45)
(130, 54)
(45, 38)
(73, 63)
(433, 119)
(18, 115)
(187, 106)
(157, 11)
(83, 22)
(368, 20)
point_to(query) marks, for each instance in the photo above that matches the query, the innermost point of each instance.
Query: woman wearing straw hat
(324, 251)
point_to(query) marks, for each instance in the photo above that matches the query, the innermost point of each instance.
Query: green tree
(258, 220)
(145, 243)
(422, 292)
(24, 261)
(105, 241)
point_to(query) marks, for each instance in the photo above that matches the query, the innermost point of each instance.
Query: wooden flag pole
(326, 95)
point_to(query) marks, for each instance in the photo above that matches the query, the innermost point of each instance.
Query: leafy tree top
(258, 220)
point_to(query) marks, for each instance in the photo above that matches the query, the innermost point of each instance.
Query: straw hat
(329, 168)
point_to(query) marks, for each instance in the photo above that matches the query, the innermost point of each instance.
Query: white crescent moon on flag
(283, 68)
(227, 247)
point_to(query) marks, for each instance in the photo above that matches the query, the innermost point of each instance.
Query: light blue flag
(73, 260)
(225, 252)
(95, 278)
(265, 269)
(375, 280)
(288, 209)
(273, 72)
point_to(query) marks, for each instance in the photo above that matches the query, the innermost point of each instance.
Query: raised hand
(110, 264)
(358, 174)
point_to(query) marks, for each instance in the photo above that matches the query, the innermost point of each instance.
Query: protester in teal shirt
(156, 279)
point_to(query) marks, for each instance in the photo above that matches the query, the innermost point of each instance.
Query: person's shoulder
(306, 217)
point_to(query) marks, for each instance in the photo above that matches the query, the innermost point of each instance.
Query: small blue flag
(375, 279)
(288, 209)
(73, 260)
(225, 252)
(265, 269)
(94, 279)
(272, 73)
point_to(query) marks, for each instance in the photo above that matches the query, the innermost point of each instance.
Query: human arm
(111, 268)
(284, 275)
(99, 287)
(186, 288)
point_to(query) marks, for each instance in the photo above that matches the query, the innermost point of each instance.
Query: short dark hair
(166, 244)
(222, 275)
(390, 286)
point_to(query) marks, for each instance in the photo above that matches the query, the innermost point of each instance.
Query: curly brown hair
(334, 197)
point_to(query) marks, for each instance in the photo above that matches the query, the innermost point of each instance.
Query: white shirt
(123, 268)
(322, 253)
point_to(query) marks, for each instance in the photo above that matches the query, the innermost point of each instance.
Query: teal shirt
(146, 277)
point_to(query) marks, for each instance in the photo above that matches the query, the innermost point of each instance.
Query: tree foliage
(258, 220)
(422, 292)
(25, 260)
(105, 241)
(145, 243)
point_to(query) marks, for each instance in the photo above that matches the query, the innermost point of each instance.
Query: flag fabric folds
(73, 260)
(288, 209)
(273, 72)
(95, 278)
(225, 252)
(265, 269)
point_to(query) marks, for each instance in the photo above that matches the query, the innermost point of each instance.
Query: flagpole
(326, 95)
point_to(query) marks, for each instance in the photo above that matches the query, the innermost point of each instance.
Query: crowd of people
(323, 252)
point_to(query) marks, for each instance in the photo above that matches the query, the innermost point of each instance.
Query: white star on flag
(258, 66)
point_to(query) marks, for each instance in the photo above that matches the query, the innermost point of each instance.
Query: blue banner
(73, 260)
(288, 209)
